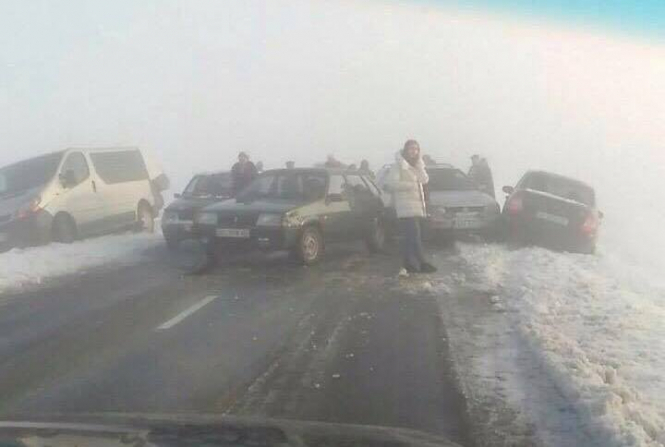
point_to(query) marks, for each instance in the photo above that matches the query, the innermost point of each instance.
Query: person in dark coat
(481, 174)
(243, 173)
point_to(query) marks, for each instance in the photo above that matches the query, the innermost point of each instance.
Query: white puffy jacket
(405, 183)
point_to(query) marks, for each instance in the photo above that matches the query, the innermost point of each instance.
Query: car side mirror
(334, 198)
(177, 195)
(68, 178)
(508, 189)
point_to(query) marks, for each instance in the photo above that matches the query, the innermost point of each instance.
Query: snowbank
(597, 326)
(23, 267)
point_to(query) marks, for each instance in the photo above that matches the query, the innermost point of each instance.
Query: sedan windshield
(28, 174)
(297, 186)
(217, 185)
(449, 180)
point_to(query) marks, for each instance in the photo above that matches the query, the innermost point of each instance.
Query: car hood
(471, 198)
(156, 430)
(263, 206)
(188, 203)
(10, 203)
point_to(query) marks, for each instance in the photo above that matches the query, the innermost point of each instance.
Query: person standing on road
(243, 173)
(481, 174)
(405, 182)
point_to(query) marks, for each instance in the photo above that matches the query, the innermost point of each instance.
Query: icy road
(501, 347)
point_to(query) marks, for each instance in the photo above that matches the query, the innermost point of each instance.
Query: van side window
(77, 163)
(119, 166)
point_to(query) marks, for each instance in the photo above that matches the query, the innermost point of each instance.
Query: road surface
(344, 341)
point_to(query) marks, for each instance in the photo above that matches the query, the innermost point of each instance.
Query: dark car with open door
(297, 210)
(552, 210)
(201, 191)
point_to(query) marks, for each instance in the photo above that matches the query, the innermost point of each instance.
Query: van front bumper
(29, 231)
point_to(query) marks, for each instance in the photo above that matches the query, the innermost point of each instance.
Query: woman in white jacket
(405, 182)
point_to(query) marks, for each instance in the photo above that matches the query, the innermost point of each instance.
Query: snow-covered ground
(592, 324)
(25, 267)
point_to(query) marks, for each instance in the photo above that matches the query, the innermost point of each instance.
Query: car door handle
(94, 186)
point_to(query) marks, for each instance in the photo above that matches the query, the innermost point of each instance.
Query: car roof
(441, 166)
(335, 171)
(103, 149)
(559, 176)
(211, 173)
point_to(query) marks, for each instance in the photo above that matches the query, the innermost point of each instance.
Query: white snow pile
(597, 325)
(24, 267)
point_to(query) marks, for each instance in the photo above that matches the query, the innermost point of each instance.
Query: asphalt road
(344, 341)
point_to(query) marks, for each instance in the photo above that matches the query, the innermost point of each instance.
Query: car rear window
(560, 187)
(449, 180)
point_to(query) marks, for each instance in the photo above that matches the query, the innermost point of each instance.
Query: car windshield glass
(218, 185)
(296, 186)
(561, 187)
(28, 174)
(449, 180)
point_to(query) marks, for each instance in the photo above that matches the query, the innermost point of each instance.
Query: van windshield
(28, 174)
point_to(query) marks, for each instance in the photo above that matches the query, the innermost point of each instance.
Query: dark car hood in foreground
(176, 430)
(256, 205)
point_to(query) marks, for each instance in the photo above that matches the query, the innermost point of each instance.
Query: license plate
(232, 232)
(552, 218)
(464, 224)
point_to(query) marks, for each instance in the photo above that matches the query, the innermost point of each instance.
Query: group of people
(405, 180)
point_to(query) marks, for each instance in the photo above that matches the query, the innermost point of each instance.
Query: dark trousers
(412, 246)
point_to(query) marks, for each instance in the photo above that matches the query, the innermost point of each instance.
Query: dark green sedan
(299, 210)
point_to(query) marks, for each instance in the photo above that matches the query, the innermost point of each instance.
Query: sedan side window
(77, 164)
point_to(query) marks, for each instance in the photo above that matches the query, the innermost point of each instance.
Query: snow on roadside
(25, 267)
(597, 327)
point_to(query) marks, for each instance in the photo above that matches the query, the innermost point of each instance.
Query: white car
(75, 193)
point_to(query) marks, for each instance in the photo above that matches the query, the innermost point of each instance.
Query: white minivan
(76, 193)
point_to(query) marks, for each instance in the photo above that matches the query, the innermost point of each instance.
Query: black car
(299, 210)
(201, 191)
(553, 211)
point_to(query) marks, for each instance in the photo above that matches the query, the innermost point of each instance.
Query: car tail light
(515, 204)
(29, 209)
(591, 224)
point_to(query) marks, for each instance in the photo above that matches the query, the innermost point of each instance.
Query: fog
(195, 82)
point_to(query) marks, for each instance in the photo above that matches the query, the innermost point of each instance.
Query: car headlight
(269, 220)
(206, 218)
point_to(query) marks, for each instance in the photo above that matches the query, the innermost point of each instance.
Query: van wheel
(145, 220)
(376, 237)
(64, 230)
(309, 248)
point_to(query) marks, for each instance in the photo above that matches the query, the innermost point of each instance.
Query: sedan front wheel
(309, 248)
